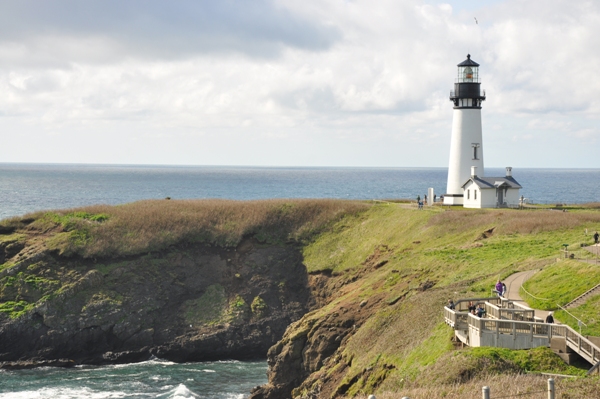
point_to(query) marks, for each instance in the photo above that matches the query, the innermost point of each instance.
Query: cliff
(343, 298)
(184, 281)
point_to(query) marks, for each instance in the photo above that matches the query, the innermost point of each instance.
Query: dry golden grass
(513, 221)
(502, 386)
(156, 224)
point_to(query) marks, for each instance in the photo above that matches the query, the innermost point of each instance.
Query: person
(550, 318)
(480, 311)
(434, 197)
(471, 307)
(499, 288)
(451, 304)
(503, 289)
(596, 236)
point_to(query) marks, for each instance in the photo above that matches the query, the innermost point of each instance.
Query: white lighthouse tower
(466, 146)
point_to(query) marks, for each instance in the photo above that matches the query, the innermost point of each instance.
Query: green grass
(389, 251)
(588, 313)
(153, 225)
(383, 254)
(15, 309)
(561, 282)
(535, 360)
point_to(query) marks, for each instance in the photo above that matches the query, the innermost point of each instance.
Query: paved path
(514, 283)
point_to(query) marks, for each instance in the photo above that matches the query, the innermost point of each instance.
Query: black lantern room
(467, 88)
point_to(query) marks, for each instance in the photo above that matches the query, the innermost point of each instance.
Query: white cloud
(291, 82)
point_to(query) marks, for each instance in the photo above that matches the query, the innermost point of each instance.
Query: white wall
(466, 129)
(469, 200)
(512, 196)
(488, 198)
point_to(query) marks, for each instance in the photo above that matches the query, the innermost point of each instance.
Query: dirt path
(514, 283)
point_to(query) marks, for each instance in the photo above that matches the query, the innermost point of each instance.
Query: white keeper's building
(467, 184)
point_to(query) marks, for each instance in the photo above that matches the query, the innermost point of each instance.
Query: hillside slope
(343, 298)
(388, 273)
(181, 280)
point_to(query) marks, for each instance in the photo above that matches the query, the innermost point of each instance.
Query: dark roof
(468, 62)
(493, 182)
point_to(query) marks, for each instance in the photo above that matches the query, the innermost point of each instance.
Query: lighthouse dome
(468, 62)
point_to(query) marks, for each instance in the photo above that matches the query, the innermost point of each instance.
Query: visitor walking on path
(596, 235)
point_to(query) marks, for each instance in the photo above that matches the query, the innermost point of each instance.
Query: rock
(125, 310)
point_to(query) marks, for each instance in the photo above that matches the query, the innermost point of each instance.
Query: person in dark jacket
(451, 304)
(550, 318)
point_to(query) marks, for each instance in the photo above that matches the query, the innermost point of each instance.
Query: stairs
(583, 297)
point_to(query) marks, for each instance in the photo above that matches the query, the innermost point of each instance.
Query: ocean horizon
(29, 187)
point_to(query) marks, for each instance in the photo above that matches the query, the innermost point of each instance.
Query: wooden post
(550, 388)
(486, 392)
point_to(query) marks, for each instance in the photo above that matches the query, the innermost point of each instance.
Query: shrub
(109, 231)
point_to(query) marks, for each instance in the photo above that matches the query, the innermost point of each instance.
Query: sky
(296, 83)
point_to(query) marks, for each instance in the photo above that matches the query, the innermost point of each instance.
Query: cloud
(63, 31)
(275, 76)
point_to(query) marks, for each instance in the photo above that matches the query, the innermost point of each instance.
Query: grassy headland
(412, 262)
(382, 273)
(139, 227)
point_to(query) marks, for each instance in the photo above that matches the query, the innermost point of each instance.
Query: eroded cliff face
(309, 362)
(187, 303)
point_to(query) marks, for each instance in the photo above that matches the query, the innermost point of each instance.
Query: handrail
(582, 295)
(570, 314)
(466, 321)
(533, 296)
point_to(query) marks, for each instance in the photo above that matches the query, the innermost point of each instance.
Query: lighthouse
(466, 144)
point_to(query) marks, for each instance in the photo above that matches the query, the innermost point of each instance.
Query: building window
(475, 146)
(468, 194)
(475, 193)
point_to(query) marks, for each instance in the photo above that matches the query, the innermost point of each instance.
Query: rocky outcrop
(309, 344)
(187, 303)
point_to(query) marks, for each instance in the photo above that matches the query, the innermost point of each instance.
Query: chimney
(473, 171)
(508, 171)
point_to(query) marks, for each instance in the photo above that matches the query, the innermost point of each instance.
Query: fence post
(550, 388)
(486, 392)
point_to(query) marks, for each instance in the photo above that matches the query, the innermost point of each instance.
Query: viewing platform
(511, 325)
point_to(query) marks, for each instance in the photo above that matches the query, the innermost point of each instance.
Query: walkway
(514, 283)
(510, 323)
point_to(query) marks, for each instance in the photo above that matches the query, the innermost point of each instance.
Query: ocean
(32, 187)
(152, 379)
(27, 188)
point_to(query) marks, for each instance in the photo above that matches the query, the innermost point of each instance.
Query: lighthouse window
(468, 74)
(475, 152)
